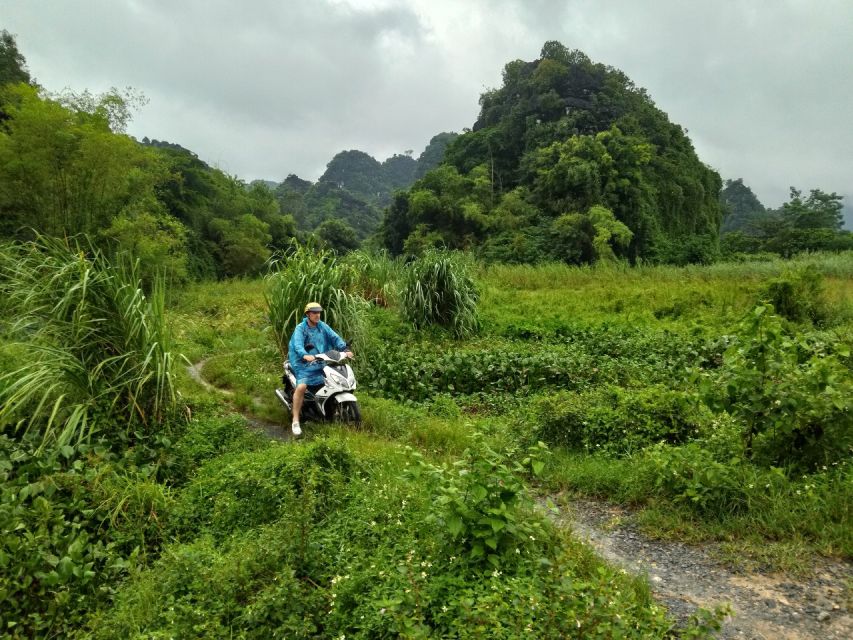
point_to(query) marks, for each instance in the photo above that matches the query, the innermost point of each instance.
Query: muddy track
(684, 578)
(274, 430)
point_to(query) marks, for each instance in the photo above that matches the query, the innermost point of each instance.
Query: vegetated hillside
(570, 160)
(741, 206)
(67, 168)
(356, 187)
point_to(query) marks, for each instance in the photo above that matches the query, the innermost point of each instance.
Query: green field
(676, 391)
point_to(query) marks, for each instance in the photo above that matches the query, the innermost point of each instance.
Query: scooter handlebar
(332, 356)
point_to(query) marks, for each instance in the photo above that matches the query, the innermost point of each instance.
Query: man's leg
(298, 397)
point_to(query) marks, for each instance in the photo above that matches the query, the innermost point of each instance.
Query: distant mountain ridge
(355, 187)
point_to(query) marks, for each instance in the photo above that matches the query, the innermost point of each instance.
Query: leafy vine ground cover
(419, 523)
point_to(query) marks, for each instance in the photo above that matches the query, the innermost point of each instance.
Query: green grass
(240, 535)
(620, 317)
(782, 522)
(710, 299)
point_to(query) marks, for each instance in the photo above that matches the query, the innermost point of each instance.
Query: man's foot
(297, 430)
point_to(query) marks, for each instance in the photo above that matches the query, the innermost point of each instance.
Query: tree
(433, 154)
(573, 135)
(64, 172)
(242, 244)
(153, 237)
(13, 67)
(608, 232)
(337, 235)
(819, 211)
(356, 172)
(801, 224)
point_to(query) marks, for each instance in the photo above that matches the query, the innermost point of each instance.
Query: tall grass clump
(95, 350)
(375, 276)
(438, 289)
(306, 276)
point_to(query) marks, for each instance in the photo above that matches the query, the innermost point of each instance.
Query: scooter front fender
(345, 397)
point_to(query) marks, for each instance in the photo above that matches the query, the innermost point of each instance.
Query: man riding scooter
(311, 337)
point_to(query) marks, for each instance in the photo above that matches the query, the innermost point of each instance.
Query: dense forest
(68, 168)
(568, 160)
(804, 223)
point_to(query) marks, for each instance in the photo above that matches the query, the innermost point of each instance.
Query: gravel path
(683, 578)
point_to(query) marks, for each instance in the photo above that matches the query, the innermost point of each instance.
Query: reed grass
(438, 289)
(375, 276)
(307, 276)
(96, 348)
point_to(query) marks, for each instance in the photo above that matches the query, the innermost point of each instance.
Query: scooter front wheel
(349, 411)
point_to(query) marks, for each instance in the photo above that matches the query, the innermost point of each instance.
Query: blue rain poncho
(311, 340)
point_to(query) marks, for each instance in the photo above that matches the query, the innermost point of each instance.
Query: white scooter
(332, 400)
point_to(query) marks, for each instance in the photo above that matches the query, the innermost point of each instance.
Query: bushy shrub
(437, 289)
(304, 276)
(478, 503)
(691, 475)
(73, 523)
(210, 436)
(410, 374)
(798, 295)
(619, 421)
(792, 397)
(400, 555)
(815, 506)
(245, 490)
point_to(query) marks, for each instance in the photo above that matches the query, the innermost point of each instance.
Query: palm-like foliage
(92, 349)
(306, 276)
(437, 289)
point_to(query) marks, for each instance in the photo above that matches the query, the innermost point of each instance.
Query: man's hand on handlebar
(308, 357)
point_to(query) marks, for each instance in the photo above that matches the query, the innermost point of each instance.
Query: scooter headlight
(338, 378)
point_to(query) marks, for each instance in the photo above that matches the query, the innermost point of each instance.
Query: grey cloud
(268, 87)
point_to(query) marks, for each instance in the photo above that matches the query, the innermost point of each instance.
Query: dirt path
(683, 578)
(273, 430)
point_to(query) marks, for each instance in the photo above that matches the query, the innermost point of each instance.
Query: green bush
(209, 436)
(97, 348)
(763, 501)
(413, 374)
(207, 590)
(396, 556)
(478, 503)
(798, 295)
(72, 524)
(245, 490)
(792, 396)
(619, 421)
(438, 290)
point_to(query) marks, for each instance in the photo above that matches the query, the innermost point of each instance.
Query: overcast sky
(264, 88)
